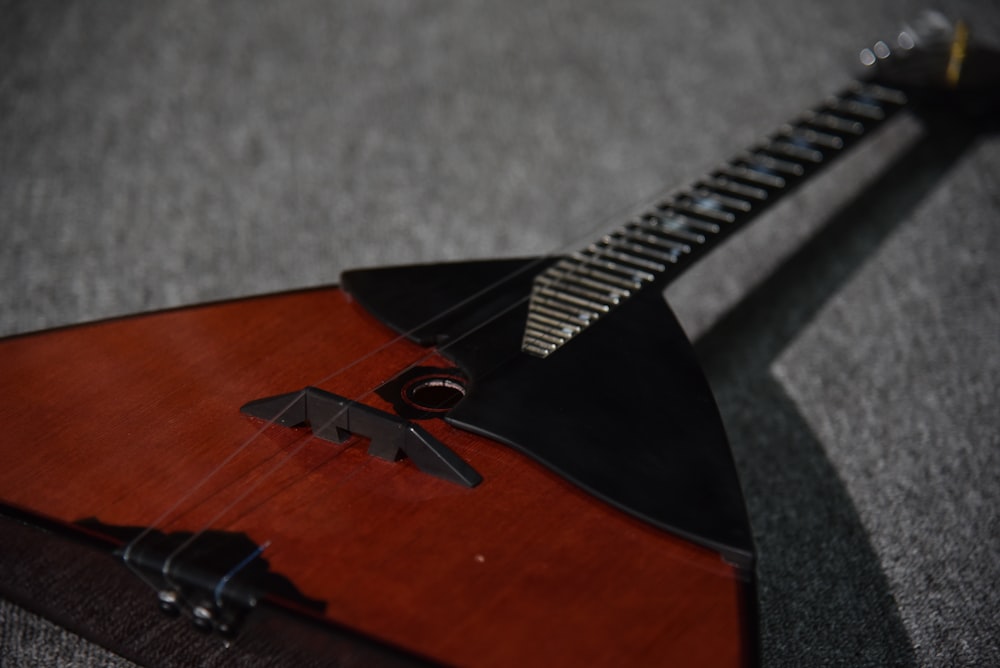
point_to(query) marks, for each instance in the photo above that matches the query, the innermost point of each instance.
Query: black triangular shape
(623, 411)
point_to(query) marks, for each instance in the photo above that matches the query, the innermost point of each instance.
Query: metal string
(172, 511)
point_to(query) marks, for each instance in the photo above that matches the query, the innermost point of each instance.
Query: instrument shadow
(821, 588)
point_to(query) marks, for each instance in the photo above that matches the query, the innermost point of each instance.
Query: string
(168, 512)
(224, 580)
(529, 267)
(288, 456)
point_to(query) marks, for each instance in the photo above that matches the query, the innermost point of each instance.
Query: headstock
(936, 60)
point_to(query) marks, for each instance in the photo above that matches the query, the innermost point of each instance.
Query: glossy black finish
(624, 412)
(434, 304)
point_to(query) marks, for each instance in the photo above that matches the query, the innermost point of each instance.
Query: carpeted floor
(160, 154)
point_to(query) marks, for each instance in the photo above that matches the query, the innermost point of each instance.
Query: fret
(856, 108)
(833, 122)
(634, 231)
(811, 137)
(881, 93)
(718, 183)
(614, 266)
(542, 320)
(540, 339)
(569, 284)
(692, 210)
(795, 151)
(642, 250)
(720, 200)
(674, 226)
(753, 175)
(568, 288)
(652, 227)
(596, 274)
(657, 245)
(531, 346)
(627, 258)
(587, 282)
(564, 312)
(549, 336)
(769, 163)
(591, 307)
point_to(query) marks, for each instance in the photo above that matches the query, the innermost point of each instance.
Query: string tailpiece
(213, 578)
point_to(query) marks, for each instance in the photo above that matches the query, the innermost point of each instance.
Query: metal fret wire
(659, 244)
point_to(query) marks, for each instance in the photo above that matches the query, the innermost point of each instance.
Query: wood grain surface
(136, 422)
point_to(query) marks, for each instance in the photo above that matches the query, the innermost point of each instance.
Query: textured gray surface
(162, 154)
(29, 640)
(914, 340)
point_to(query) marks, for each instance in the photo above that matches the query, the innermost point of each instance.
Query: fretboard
(653, 248)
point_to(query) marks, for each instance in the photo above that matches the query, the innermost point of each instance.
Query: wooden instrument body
(123, 420)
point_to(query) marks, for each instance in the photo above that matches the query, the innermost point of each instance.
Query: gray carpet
(160, 154)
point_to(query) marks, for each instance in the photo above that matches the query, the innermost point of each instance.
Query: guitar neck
(653, 248)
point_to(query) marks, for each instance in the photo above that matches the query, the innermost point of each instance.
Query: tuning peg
(878, 51)
(928, 28)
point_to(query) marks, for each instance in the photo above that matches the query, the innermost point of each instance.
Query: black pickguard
(623, 410)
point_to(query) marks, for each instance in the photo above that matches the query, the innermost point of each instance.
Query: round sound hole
(434, 394)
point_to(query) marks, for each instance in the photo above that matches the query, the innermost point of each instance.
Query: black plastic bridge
(334, 418)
